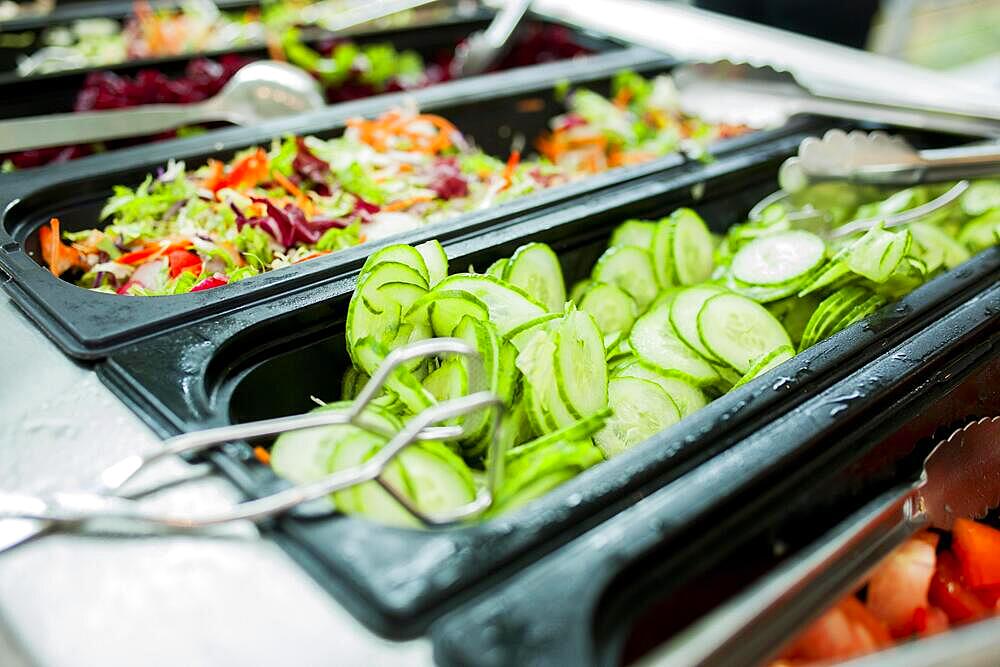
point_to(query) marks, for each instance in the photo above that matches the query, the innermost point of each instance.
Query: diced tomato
(899, 585)
(59, 256)
(978, 549)
(949, 593)
(847, 630)
(181, 261)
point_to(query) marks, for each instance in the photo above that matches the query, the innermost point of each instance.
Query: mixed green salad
(187, 230)
(670, 317)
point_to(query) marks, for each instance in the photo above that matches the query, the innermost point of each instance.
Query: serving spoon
(259, 91)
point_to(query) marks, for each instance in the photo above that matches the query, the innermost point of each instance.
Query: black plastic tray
(56, 92)
(491, 109)
(266, 360)
(699, 536)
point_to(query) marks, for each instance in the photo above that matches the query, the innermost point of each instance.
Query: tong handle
(949, 164)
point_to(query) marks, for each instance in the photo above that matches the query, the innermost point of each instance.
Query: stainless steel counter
(220, 598)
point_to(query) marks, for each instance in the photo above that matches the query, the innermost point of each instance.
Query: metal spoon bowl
(259, 91)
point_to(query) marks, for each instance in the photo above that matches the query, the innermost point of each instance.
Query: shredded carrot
(402, 204)
(301, 199)
(275, 50)
(245, 174)
(622, 98)
(313, 255)
(508, 171)
(262, 455)
(59, 256)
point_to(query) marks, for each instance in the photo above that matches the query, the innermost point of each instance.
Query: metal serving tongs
(102, 501)
(960, 478)
(875, 159)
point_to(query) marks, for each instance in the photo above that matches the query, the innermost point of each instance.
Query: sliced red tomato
(948, 592)
(217, 280)
(898, 587)
(181, 261)
(978, 549)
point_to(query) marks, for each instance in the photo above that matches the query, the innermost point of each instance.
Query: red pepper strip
(508, 171)
(949, 593)
(181, 261)
(152, 251)
(246, 173)
(212, 281)
(978, 549)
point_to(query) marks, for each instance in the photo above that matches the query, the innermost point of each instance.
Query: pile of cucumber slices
(670, 317)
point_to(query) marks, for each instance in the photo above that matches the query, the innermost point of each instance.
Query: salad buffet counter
(542, 365)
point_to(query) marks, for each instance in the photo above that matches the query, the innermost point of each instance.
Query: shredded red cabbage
(448, 181)
(288, 226)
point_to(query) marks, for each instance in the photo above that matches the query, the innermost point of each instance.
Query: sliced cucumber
(829, 312)
(687, 397)
(654, 340)
(794, 314)
(449, 308)
(508, 306)
(684, 310)
(631, 269)
(638, 233)
(397, 254)
(373, 314)
(347, 454)
(497, 268)
(639, 409)
(580, 430)
(982, 196)
(739, 331)
(954, 253)
(439, 479)
(520, 335)
(781, 258)
(535, 269)
(483, 337)
(770, 360)
(450, 380)
(435, 260)
(611, 307)
(401, 383)
(663, 253)
(581, 372)
(693, 248)
(579, 290)
(858, 313)
(375, 503)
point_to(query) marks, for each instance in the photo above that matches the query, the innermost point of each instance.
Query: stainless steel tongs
(104, 502)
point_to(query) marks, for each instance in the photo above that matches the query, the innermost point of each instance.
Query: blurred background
(959, 35)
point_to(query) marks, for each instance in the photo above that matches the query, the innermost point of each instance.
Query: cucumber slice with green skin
(638, 233)
(483, 337)
(509, 306)
(536, 488)
(771, 360)
(450, 380)
(538, 363)
(420, 310)
(398, 254)
(580, 430)
(684, 315)
(508, 377)
(535, 269)
(663, 253)
(521, 335)
(541, 421)
(446, 312)
(375, 503)
(498, 268)
(611, 307)
(794, 314)
(929, 235)
(687, 397)
(372, 314)
(878, 253)
(739, 331)
(303, 456)
(401, 383)
(435, 260)
(629, 268)
(831, 310)
(654, 340)
(778, 259)
(693, 248)
(982, 232)
(347, 454)
(981, 197)
(727, 377)
(858, 313)
(764, 294)
(665, 297)
(581, 371)
(579, 290)
(639, 409)
(352, 383)
(828, 275)
(523, 474)
(439, 479)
